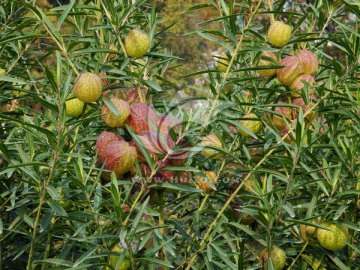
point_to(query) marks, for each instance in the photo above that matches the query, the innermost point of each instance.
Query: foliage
(57, 211)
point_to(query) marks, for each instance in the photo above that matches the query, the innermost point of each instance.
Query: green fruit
(112, 56)
(74, 107)
(267, 59)
(253, 124)
(334, 238)
(2, 72)
(277, 255)
(211, 140)
(279, 33)
(19, 93)
(88, 87)
(113, 260)
(223, 63)
(137, 43)
(110, 118)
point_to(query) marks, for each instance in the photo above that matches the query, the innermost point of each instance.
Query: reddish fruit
(140, 156)
(278, 120)
(167, 123)
(279, 33)
(150, 141)
(142, 118)
(103, 140)
(291, 71)
(120, 157)
(288, 135)
(309, 61)
(299, 83)
(306, 108)
(132, 94)
(110, 118)
(267, 59)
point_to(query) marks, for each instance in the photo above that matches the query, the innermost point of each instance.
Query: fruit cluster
(295, 72)
(151, 132)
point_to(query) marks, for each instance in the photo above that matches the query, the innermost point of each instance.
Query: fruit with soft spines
(110, 118)
(88, 87)
(267, 59)
(279, 33)
(137, 43)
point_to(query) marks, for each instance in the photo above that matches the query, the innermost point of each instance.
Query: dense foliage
(262, 164)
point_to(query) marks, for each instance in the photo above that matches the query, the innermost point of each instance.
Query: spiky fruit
(277, 255)
(203, 184)
(120, 157)
(110, 118)
(102, 142)
(279, 33)
(113, 260)
(299, 83)
(284, 112)
(223, 62)
(74, 107)
(334, 237)
(88, 87)
(291, 71)
(112, 56)
(137, 43)
(267, 59)
(251, 122)
(309, 61)
(211, 140)
(142, 118)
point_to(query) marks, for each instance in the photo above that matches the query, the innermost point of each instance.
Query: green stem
(47, 248)
(298, 256)
(36, 224)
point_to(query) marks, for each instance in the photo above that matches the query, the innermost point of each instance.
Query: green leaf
(57, 208)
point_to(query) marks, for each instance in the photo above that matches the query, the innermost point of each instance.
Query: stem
(298, 256)
(47, 249)
(161, 222)
(115, 28)
(36, 224)
(270, 4)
